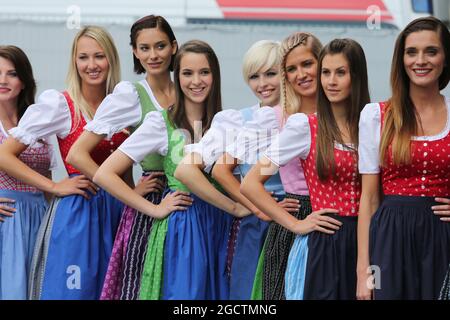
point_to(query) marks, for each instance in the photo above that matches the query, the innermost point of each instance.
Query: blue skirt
(195, 253)
(323, 266)
(250, 240)
(17, 238)
(411, 248)
(74, 246)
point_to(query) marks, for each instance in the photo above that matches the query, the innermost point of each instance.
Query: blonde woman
(298, 59)
(153, 47)
(75, 239)
(261, 71)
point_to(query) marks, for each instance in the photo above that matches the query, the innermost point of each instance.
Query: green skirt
(152, 275)
(257, 293)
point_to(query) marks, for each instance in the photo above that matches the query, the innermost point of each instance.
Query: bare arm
(80, 153)
(128, 177)
(253, 188)
(10, 163)
(189, 171)
(109, 174)
(47, 195)
(223, 173)
(369, 203)
(80, 157)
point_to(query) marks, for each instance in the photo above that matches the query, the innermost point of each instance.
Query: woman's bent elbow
(179, 172)
(97, 177)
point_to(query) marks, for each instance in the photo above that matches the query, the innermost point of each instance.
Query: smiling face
(92, 64)
(10, 84)
(423, 58)
(196, 78)
(154, 50)
(265, 84)
(335, 78)
(301, 71)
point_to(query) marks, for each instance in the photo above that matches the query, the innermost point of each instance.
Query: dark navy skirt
(411, 248)
(323, 266)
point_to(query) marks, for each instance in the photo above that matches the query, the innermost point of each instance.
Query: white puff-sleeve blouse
(120, 109)
(294, 141)
(223, 131)
(50, 115)
(150, 137)
(255, 136)
(369, 139)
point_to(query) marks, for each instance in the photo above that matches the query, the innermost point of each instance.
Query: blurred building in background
(45, 29)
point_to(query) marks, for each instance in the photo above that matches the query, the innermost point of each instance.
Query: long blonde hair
(73, 79)
(290, 101)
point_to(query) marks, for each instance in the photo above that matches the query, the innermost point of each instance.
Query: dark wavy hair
(150, 22)
(25, 73)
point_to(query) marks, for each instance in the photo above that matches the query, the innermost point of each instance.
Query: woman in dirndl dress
(23, 205)
(299, 53)
(76, 235)
(322, 260)
(152, 39)
(261, 72)
(404, 237)
(194, 234)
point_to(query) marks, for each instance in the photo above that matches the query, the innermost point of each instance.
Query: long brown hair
(25, 74)
(213, 104)
(150, 22)
(290, 101)
(400, 120)
(328, 130)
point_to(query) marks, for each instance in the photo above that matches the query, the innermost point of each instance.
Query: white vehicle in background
(395, 13)
(404, 11)
(391, 13)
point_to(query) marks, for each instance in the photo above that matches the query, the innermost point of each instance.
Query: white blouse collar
(151, 95)
(443, 133)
